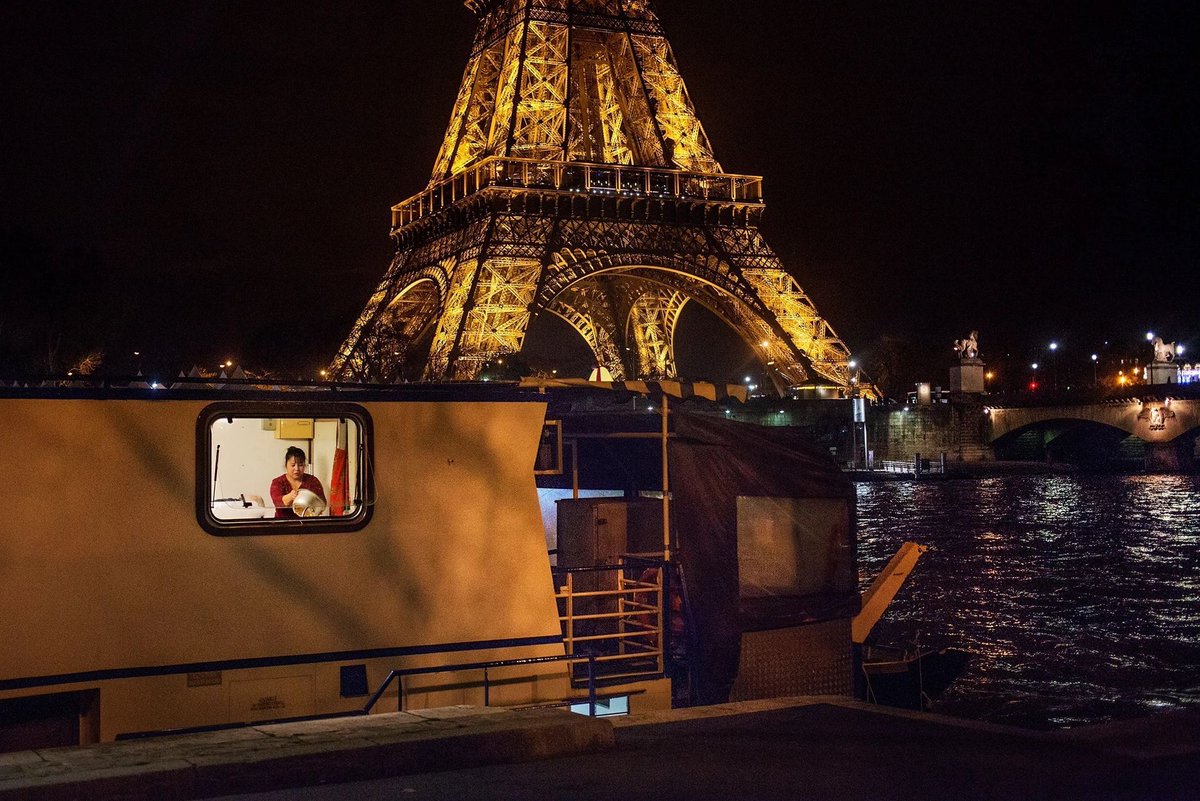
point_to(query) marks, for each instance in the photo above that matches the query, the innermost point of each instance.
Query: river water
(1078, 595)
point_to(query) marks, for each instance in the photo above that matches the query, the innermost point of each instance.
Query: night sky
(224, 170)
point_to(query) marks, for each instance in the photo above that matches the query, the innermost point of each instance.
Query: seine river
(1078, 595)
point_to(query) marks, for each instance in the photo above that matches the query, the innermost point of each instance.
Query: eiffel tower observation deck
(576, 179)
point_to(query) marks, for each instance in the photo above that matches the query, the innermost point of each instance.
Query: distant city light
(1179, 348)
(1034, 365)
(748, 379)
(1095, 357)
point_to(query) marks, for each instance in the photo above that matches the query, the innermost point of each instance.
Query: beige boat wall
(108, 581)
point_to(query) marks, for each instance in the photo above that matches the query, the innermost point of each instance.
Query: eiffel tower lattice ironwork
(575, 178)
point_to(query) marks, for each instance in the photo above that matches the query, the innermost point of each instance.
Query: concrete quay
(269, 757)
(792, 748)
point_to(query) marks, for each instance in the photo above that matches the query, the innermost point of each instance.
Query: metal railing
(581, 177)
(613, 617)
(486, 667)
(916, 466)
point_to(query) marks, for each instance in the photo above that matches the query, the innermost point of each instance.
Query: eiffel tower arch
(575, 179)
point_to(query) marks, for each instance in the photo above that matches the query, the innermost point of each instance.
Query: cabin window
(283, 468)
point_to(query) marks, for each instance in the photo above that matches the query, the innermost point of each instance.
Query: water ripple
(1079, 594)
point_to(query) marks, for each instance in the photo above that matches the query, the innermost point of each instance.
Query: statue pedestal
(967, 376)
(1162, 373)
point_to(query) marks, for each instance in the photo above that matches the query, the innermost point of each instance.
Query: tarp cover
(713, 462)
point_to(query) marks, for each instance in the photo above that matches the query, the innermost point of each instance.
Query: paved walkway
(296, 754)
(792, 748)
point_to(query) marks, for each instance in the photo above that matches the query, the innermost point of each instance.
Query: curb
(261, 758)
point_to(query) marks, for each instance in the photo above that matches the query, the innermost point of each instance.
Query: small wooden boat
(905, 677)
(909, 678)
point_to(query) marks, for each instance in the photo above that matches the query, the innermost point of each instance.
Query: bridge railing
(579, 177)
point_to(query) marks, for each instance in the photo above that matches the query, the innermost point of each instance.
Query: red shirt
(281, 486)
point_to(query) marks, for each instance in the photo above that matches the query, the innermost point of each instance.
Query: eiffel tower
(576, 179)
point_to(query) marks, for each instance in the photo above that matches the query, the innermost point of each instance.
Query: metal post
(666, 486)
(570, 613)
(853, 440)
(487, 689)
(592, 685)
(664, 632)
(867, 462)
(575, 469)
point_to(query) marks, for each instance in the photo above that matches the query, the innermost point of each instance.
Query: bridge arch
(1071, 440)
(633, 335)
(581, 280)
(1150, 418)
(400, 330)
(1154, 432)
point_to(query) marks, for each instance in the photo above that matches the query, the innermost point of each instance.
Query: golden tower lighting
(576, 179)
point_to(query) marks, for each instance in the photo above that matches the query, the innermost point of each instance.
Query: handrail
(485, 667)
(625, 622)
(628, 180)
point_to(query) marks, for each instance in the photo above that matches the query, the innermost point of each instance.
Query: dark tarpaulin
(713, 462)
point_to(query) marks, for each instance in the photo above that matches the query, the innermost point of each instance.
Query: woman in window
(294, 481)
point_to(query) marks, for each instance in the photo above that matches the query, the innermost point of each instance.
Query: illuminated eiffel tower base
(576, 179)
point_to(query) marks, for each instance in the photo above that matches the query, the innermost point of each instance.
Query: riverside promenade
(792, 748)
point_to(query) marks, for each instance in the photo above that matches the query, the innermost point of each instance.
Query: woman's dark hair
(293, 451)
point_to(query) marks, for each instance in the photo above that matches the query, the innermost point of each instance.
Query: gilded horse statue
(1164, 352)
(968, 348)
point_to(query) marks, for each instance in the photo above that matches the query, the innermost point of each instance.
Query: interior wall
(252, 456)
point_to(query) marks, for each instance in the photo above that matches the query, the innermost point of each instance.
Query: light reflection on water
(1080, 595)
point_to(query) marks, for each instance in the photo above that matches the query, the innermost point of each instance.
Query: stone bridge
(1167, 425)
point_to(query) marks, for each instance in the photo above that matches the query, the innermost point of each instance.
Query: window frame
(556, 444)
(283, 410)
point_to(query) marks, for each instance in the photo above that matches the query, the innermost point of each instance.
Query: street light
(1054, 364)
(1095, 358)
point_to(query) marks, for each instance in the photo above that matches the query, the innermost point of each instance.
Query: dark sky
(1025, 168)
